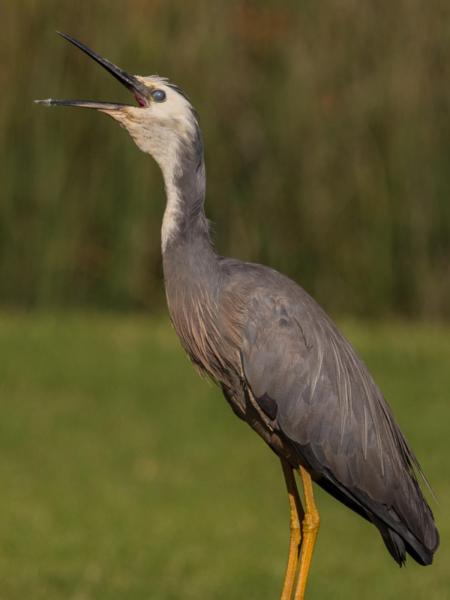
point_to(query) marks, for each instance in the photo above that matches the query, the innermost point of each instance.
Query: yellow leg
(310, 527)
(296, 515)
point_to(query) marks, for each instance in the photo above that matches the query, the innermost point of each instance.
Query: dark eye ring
(159, 95)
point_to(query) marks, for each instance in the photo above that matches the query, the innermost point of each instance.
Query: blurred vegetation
(327, 130)
(119, 479)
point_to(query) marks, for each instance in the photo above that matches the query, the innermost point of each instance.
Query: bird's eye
(159, 95)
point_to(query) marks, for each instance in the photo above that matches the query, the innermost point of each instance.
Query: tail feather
(399, 545)
(416, 536)
(394, 544)
(405, 520)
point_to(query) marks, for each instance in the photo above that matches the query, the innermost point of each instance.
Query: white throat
(161, 132)
(164, 145)
(172, 214)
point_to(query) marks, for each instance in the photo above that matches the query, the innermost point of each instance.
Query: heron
(280, 361)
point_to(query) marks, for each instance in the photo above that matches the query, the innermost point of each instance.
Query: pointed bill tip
(129, 81)
(45, 102)
(64, 35)
(68, 37)
(139, 90)
(82, 104)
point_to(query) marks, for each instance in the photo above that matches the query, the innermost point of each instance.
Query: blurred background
(327, 135)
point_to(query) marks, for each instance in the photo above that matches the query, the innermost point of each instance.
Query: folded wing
(308, 378)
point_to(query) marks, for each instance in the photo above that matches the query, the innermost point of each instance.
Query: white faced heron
(280, 361)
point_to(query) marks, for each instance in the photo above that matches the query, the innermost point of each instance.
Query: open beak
(137, 88)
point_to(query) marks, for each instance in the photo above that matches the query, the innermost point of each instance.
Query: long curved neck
(184, 219)
(188, 252)
(191, 270)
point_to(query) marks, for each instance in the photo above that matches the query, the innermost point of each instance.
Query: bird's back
(321, 400)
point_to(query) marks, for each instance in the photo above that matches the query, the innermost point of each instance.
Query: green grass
(124, 475)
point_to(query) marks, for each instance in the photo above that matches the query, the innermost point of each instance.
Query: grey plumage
(286, 369)
(282, 364)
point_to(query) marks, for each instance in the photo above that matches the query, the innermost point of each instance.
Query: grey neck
(191, 271)
(185, 230)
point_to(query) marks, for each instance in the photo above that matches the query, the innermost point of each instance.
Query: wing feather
(327, 405)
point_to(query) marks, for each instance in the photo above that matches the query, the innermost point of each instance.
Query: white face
(159, 125)
(162, 125)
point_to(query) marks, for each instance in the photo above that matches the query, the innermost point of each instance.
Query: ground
(125, 475)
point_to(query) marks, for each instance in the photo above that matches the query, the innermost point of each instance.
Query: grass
(124, 475)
